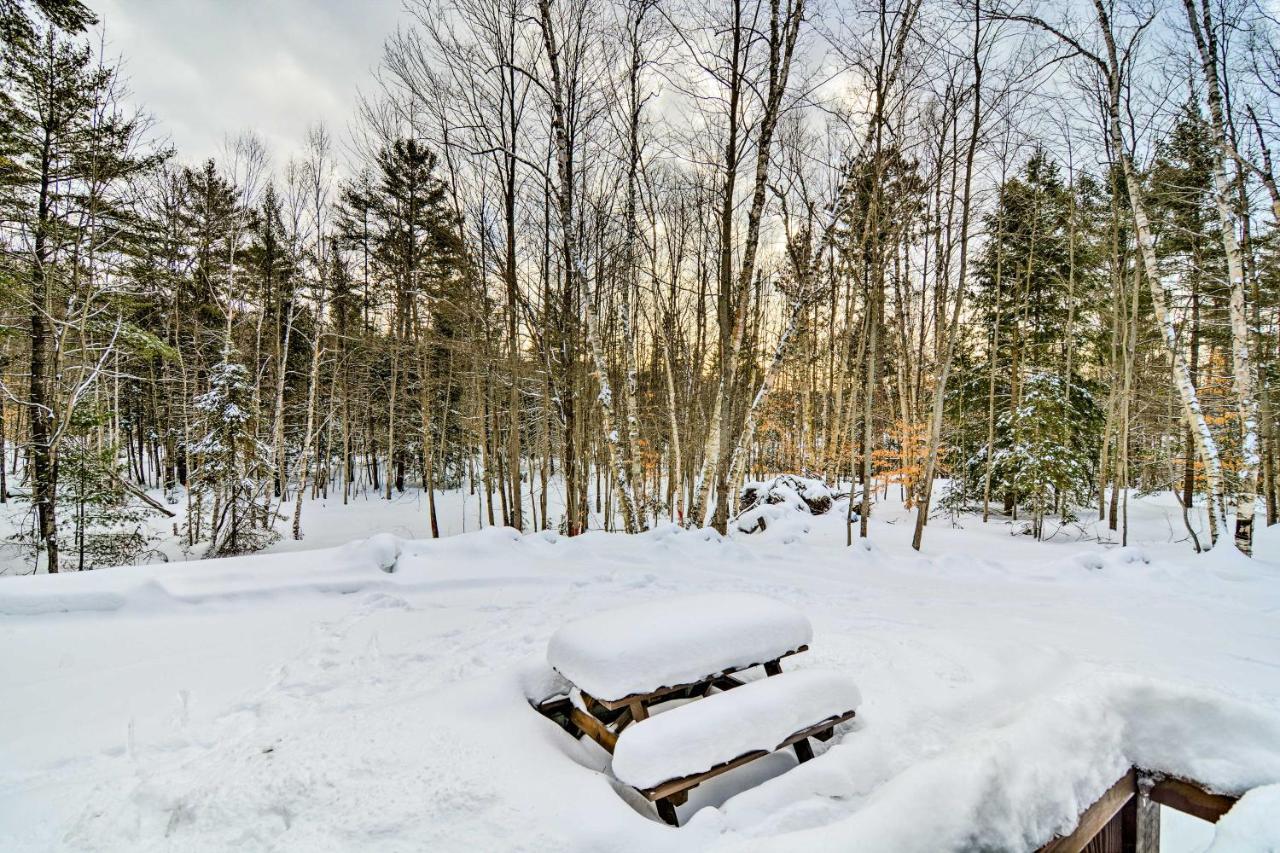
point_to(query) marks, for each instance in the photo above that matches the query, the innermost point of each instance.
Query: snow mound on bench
(760, 715)
(670, 641)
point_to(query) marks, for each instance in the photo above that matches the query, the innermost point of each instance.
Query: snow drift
(375, 695)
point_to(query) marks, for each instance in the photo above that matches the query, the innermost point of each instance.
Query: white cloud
(209, 68)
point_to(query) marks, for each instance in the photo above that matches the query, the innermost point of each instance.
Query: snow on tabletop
(759, 715)
(642, 647)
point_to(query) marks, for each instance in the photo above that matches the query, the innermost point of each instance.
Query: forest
(599, 264)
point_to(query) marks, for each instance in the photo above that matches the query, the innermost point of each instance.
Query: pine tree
(67, 150)
(231, 464)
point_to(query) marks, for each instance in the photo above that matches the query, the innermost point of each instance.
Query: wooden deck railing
(1126, 819)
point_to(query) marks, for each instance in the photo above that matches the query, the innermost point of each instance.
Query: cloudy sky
(208, 68)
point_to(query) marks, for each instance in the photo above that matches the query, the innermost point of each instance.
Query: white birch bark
(1192, 412)
(564, 198)
(738, 462)
(1242, 365)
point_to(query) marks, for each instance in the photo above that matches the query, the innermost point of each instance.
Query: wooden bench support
(727, 682)
(604, 720)
(676, 791)
(593, 728)
(694, 688)
(1096, 817)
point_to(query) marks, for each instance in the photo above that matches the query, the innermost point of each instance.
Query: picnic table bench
(620, 664)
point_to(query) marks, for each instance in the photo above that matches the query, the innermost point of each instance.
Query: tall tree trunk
(952, 331)
(44, 460)
(1192, 412)
(574, 268)
(1242, 364)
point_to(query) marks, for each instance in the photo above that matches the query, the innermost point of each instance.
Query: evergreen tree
(1035, 286)
(230, 476)
(67, 154)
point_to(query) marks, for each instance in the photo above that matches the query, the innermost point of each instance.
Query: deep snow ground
(311, 701)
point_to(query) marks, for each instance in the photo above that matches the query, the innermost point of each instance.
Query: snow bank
(350, 568)
(760, 715)
(1007, 683)
(670, 641)
(1022, 779)
(1253, 824)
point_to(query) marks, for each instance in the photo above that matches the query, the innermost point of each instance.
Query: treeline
(600, 263)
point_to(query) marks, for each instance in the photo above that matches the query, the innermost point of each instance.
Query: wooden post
(1142, 820)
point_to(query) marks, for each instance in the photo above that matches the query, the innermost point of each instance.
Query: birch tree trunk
(574, 267)
(1242, 365)
(784, 28)
(308, 435)
(1206, 445)
(738, 461)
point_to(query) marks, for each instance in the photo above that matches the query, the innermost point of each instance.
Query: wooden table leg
(803, 750)
(667, 812)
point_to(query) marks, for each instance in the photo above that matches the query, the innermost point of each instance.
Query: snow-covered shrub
(101, 521)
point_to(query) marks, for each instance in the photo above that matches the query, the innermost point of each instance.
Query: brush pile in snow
(765, 501)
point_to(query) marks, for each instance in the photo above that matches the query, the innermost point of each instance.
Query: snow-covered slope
(372, 696)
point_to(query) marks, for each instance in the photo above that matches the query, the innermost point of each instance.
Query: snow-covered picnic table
(618, 664)
(642, 649)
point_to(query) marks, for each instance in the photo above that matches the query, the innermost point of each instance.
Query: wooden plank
(684, 783)
(624, 719)
(555, 705)
(1186, 796)
(657, 694)
(557, 711)
(1096, 817)
(593, 728)
(727, 682)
